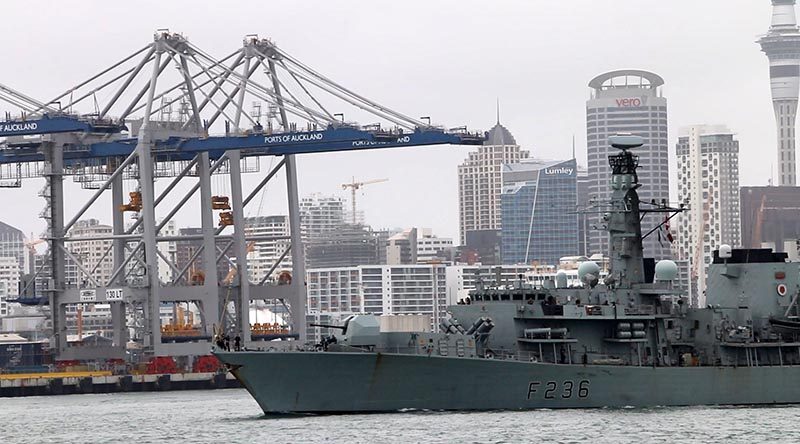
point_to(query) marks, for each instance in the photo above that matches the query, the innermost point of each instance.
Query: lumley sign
(559, 170)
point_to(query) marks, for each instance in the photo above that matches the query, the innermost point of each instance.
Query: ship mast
(624, 221)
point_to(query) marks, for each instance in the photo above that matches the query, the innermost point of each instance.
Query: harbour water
(221, 416)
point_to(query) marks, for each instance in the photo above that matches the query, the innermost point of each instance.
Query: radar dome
(625, 141)
(588, 272)
(588, 267)
(561, 280)
(666, 270)
(725, 251)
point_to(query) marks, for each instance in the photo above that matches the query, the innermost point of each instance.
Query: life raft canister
(285, 278)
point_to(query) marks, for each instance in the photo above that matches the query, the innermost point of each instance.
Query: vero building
(627, 101)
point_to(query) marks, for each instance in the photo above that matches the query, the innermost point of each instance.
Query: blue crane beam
(59, 124)
(175, 148)
(257, 144)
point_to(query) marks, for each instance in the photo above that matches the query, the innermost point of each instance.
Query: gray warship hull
(324, 382)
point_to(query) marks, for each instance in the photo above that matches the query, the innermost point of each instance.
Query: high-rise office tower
(708, 179)
(479, 184)
(320, 214)
(539, 221)
(12, 244)
(90, 252)
(268, 256)
(782, 46)
(627, 101)
(418, 246)
(9, 276)
(346, 246)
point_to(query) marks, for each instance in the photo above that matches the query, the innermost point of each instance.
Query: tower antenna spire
(782, 40)
(498, 110)
(573, 146)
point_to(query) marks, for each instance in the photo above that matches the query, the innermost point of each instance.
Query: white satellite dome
(666, 270)
(588, 267)
(589, 272)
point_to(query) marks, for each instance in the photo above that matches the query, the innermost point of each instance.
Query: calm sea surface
(228, 416)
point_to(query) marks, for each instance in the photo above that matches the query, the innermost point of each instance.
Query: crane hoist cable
(265, 187)
(231, 274)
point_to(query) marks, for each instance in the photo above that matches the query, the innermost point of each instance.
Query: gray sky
(445, 59)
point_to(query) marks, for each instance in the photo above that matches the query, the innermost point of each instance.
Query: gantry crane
(121, 139)
(354, 186)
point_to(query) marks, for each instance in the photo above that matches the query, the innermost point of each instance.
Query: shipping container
(24, 354)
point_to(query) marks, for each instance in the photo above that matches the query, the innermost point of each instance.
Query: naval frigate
(629, 339)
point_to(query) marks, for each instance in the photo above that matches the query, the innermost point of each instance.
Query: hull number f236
(554, 390)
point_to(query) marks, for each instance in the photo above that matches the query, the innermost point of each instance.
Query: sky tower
(782, 46)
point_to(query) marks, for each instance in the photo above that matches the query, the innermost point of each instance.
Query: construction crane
(31, 244)
(354, 186)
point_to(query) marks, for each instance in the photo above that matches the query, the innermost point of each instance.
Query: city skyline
(715, 64)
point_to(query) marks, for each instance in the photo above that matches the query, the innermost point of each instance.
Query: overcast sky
(446, 59)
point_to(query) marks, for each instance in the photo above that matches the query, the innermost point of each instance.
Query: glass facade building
(538, 212)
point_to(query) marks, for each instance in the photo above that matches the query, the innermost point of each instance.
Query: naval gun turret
(358, 330)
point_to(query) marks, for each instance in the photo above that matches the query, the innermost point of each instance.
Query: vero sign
(624, 103)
